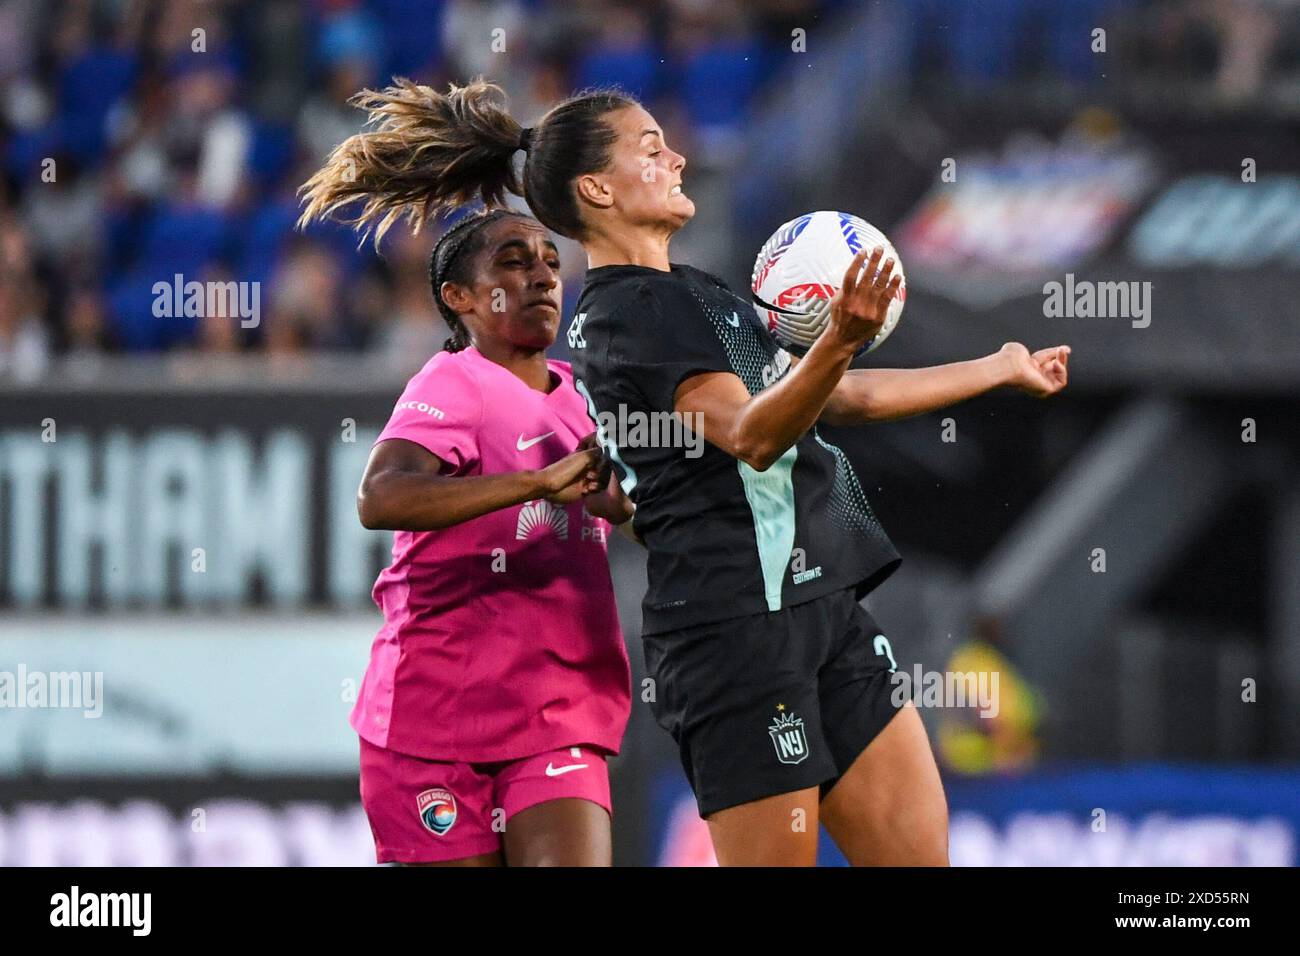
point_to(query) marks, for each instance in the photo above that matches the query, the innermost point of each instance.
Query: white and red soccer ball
(799, 269)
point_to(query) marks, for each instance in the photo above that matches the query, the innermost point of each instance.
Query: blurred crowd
(141, 140)
(144, 140)
(1237, 46)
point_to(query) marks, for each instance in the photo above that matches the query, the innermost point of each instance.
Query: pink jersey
(501, 638)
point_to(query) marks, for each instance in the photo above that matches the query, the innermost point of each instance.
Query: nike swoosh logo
(525, 445)
(554, 771)
(734, 320)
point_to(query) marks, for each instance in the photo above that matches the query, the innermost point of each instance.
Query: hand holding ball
(810, 275)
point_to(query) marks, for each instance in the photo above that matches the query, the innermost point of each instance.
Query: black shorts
(774, 702)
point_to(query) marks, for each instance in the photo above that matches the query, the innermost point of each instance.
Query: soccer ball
(799, 269)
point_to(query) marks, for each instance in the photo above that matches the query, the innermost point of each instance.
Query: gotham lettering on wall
(203, 500)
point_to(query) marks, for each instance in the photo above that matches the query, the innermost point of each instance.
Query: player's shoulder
(447, 365)
(632, 308)
(449, 375)
(700, 277)
(610, 290)
(682, 280)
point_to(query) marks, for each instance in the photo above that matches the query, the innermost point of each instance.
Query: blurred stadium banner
(182, 694)
(1141, 815)
(1199, 217)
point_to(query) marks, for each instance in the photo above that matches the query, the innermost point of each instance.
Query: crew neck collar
(601, 275)
(497, 369)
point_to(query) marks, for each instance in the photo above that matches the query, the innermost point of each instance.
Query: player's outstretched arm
(404, 488)
(886, 394)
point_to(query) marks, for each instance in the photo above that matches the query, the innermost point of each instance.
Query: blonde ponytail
(422, 152)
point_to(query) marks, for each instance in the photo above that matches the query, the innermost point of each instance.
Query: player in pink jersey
(499, 682)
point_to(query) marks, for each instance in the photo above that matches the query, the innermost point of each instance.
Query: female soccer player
(499, 682)
(769, 674)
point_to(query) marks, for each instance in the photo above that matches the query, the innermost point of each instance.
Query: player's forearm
(777, 417)
(413, 501)
(885, 394)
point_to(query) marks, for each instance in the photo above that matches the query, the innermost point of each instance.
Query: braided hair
(449, 262)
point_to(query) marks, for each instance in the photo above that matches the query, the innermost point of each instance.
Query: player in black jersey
(770, 675)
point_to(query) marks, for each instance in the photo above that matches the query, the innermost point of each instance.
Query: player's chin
(533, 337)
(681, 208)
(540, 321)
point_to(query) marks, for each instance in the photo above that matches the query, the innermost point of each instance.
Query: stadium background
(1150, 711)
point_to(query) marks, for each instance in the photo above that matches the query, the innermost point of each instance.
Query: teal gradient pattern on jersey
(770, 495)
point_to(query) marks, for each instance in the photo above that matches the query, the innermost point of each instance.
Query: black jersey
(724, 539)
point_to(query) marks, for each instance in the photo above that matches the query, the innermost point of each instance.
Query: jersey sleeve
(666, 336)
(440, 410)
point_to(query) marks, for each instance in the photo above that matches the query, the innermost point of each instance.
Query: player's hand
(572, 476)
(1042, 373)
(606, 463)
(860, 308)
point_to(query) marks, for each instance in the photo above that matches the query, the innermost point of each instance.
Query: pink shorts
(427, 811)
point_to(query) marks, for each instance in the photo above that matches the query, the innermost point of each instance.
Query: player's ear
(457, 297)
(594, 190)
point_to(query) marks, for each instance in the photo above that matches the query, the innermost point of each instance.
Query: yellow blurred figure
(969, 743)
